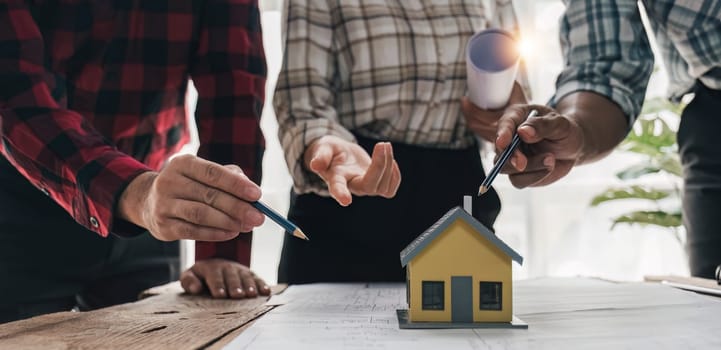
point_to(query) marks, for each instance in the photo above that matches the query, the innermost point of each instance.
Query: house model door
(462, 299)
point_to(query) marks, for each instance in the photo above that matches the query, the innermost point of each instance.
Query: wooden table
(164, 319)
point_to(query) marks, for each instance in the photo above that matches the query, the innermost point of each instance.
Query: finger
(512, 118)
(263, 288)
(370, 181)
(321, 159)
(538, 162)
(191, 283)
(233, 283)
(185, 230)
(527, 178)
(214, 279)
(517, 162)
(238, 210)
(338, 189)
(561, 169)
(550, 127)
(472, 113)
(386, 187)
(216, 175)
(539, 167)
(203, 215)
(390, 187)
(248, 278)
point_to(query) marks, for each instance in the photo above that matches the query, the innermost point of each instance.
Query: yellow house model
(459, 272)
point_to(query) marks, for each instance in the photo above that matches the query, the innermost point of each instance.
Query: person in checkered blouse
(369, 92)
(599, 93)
(92, 106)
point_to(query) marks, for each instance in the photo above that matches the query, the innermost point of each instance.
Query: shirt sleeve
(55, 148)
(230, 73)
(304, 98)
(606, 51)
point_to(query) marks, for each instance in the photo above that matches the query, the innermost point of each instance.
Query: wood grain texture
(167, 321)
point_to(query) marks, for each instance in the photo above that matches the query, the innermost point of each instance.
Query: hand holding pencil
(552, 144)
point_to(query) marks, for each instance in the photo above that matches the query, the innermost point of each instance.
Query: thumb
(552, 127)
(191, 282)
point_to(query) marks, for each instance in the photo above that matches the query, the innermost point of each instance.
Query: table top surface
(171, 320)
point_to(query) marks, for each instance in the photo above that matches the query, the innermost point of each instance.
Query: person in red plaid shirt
(92, 105)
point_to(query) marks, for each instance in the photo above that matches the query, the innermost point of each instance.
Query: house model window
(433, 295)
(491, 295)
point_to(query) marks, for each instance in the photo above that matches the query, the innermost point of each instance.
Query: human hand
(553, 144)
(223, 279)
(484, 123)
(346, 168)
(192, 198)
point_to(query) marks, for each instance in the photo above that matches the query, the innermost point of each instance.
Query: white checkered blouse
(386, 69)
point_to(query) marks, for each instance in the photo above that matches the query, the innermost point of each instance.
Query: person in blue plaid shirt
(599, 93)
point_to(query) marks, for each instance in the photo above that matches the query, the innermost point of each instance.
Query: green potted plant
(654, 141)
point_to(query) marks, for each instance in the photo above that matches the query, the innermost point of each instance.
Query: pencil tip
(298, 233)
(482, 190)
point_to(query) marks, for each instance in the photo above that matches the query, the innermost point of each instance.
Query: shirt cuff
(101, 182)
(295, 142)
(618, 95)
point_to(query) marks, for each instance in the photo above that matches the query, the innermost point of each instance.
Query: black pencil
(505, 156)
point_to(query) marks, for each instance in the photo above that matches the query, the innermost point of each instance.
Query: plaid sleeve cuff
(101, 182)
(296, 139)
(625, 99)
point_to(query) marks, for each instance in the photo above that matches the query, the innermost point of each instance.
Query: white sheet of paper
(561, 313)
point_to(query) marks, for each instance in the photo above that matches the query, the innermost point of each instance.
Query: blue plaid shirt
(606, 48)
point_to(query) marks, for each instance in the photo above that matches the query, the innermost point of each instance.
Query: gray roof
(422, 241)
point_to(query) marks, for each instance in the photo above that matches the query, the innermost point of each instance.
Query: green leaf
(636, 171)
(660, 104)
(671, 163)
(643, 218)
(651, 136)
(635, 192)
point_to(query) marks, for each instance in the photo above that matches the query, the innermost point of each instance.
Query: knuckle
(210, 196)
(234, 168)
(212, 172)
(162, 181)
(185, 230)
(193, 214)
(181, 160)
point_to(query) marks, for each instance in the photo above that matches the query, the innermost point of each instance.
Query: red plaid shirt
(92, 93)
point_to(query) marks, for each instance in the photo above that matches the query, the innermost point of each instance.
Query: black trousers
(49, 263)
(362, 242)
(699, 139)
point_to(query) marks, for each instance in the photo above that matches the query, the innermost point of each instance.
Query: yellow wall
(462, 252)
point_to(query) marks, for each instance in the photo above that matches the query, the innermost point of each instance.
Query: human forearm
(602, 122)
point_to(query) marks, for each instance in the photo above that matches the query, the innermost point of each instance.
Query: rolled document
(492, 63)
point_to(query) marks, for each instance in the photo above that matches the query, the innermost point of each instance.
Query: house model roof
(422, 241)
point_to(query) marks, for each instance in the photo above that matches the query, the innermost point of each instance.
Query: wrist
(310, 152)
(601, 124)
(132, 202)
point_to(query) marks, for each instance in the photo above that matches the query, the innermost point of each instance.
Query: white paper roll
(492, 63)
